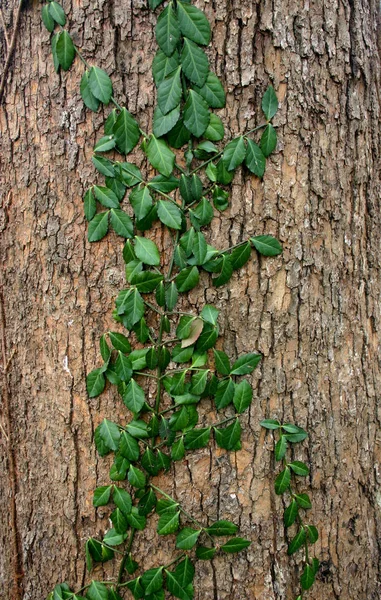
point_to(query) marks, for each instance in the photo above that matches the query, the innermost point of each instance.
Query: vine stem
(124, 559)
(10, 49)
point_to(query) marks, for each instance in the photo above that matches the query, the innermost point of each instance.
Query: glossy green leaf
(195, 64)
(47, 18)
(105, 144)
(105, 196)
(138, 428)
(229, 437)
(299, 468)
(297, 542)
(134, 397)
(176, 589)
(187, 538)
(147, 251)
(235, 545)
(95, 383)
(122, 499)
(282, 481)
(141, 202)
(107, 436)
(268, 140)
(167, 30)
(57, 13)
(130, 303)
(169, 214)
(178, 450)
(210, 314)
(168, 523)
(102, 495)
(152, 580)
(171, 296)
(128, 446)
(267, 245)
(240, 255)
(281, 448)
(164, 184)
(147, 281)
(222, 528)
(129, 174)
(246, 364)
(54, 52)
(119, 521)
(65, 50)
(198, 382)
(136, 477)
(225, 393)
(100, 84)
(97, 591)
(269, 103)
(193, 23)
(179, 135)
(215, 130)
(126, 132)
(207, 338)
(187, 279)
(234, 153)
(197, 438)
(255, 159)
(169, 92)
(243, 396)
(86, 94)
(136, 520)
(204, 553)
(135, 588)
(290, 514)
(163, 123)
(222, 362)
(121, 223)
(160, 156)
(213, 92)
(226, 271)
(270, 424)
(119, 341)
(308, 577)
(312, 533)
(112, 538)
(104, 166)
(163, 65)
(202, 215)
(303, 500)
(185, 572)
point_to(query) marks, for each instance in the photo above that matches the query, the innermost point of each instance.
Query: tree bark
(314, 312)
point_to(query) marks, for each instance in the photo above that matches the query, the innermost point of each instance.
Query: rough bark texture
(314, 312)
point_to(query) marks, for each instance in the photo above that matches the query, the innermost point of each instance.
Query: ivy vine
(178, 355)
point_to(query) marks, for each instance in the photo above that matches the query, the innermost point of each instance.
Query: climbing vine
(156, 341)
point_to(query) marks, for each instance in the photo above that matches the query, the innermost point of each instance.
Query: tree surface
(313, 312)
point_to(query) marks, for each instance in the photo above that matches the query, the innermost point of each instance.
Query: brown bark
(313, 313)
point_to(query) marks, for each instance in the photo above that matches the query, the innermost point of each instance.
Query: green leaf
(299, 468)
(308, 577)
(270, 424)
(196, 114)
(199, 248)
(187, 279)
(255, 159)
(134, 397)
(187, 538)
(243, 395)
(160, 156)
(57, 13)
(208, 337)
(102, 495)
(178, 450)
(167, 30)
(114, 539)
(168, 523)
(100, 84)
(126, 132)
(222, 362)
(226, 271)
(105, 143)
(163, 123)
(297, 542)
(47, 18)
(171, 296)
(86, 94)
(119, 468)
(240, 255)
(185, 572)
(225, 177)
(222, 528)
(107, 433)
(175, 588)
(119, 521)
(290, 514)
(110, 122)
(152, 580)
(65, 50)
(169, 92)
(202, 214)
(138, 429)
(154, 3)
(103, 165)
(147, 251)
(95, 383)
(246, 364)
(119, 341)
(315, 565)
(121, 223)
(198, 382)
(136, 477)
(282, 481)
(122, 499)
(130, 304)
(163, 65)
(164, 184)
(135, 588)
(54, 52)
(146, 281)
(215, 130)
(213, 92)
(235, 545)
(229, 437)
(128, 446)
(193, 23)
(97, 591)
(181, 355)
(269, 103)
(225, 393)
(234, 153)
(147, 502)
(312, 533)
(195, 65)
(268, 140)
(303, 500)
(204, 553)
(136, 520)
(169, 214)
(220, 196)
(281, 448)
(129, 174)
(141, 202)
(106, 197)
(197, 438)
(210, 314)
(179, 135)
(267, 245)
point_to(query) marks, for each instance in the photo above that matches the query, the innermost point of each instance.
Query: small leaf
(198, 438)
(65, 50)
(246, 364)
(47, 18)
(187, 279)
(268, 140)
(312, 533)
(129, 303)
(187, 538)
(167, 30)
(119, 342)
(122, 499)
(204, 553)
(136, 477)
(225, 393)
(102, 495)
(126, 132)
(299, 468)
(147, 251)
(134, 397)
(240, 255)
(266, 245)
(57, 13)
(229, 437)
(234, 153)
(282, 481)
(213, 92)
(193, 23)
(226, 271)
(297, 542)
(97, 591)
(121, 223)
(95, 383)
(107, 433)
(170, 92)
(163, 123)
(141, 202)
(86, 94)
(196, 114)
(280, 448)
(308, 577)
(160, 156)
(269, 103)
(215, 130)
(106, 196)
(152, 580)
(222, 528)
(195, 64)
(168, 523)
(136, 520)
(163, 65)
(104, 166)
(119, 521)
(235, 545)
(290, 514)
(303, 500)
(210, 314)
(169, 214)
(255, 159)
(171, 296)
(243, 395)
(100, 84)
(114, 539)
(129, 447)
(270, 424)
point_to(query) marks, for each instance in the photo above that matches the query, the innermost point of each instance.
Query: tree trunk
(313, 312)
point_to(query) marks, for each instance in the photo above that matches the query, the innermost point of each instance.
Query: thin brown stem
(10, 50)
